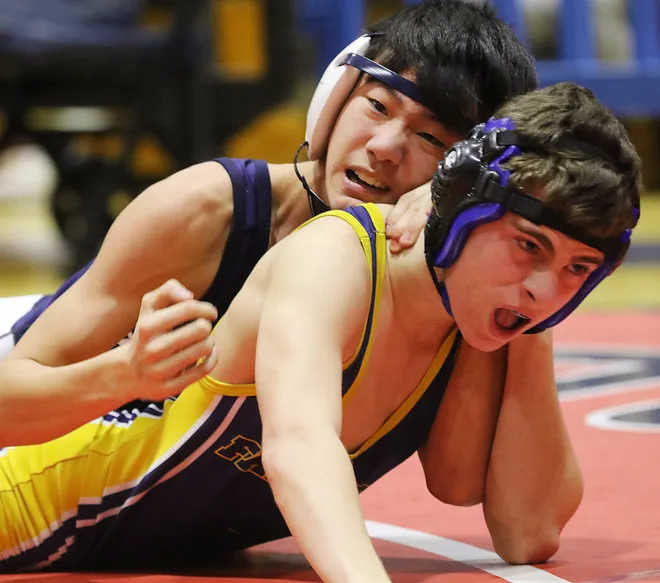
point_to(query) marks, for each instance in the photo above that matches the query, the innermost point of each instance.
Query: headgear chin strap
(336, 84)
(471, 188)
(317, 205)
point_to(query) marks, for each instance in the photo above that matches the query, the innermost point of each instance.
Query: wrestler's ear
(333, 90)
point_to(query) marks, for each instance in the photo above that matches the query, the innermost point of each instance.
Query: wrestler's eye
(579, 269)
(527, 245)
(431, 139)
(377, 105)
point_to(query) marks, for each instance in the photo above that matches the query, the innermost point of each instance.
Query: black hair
(467, 61)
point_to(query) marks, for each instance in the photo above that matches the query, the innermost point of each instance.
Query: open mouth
(510, 320)
(365, 181)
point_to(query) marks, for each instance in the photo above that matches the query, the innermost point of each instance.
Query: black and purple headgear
(471, 188)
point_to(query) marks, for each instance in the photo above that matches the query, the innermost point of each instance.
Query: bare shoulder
(326, 233)
(190, 199)
(174, 226)
(323, 257)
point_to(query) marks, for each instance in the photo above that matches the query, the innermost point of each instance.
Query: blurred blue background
(100, 98)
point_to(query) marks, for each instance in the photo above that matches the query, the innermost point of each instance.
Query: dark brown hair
(596, 193)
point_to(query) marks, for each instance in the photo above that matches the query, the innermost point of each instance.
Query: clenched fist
(172, 346)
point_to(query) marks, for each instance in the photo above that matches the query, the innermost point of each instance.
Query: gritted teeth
(357, 176)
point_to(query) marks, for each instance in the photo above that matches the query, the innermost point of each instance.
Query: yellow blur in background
(32, 252)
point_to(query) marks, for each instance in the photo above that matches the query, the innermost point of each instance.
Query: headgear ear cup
(331, 93)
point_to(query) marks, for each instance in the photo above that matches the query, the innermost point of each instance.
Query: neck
(315, 190)
(290, 200)
(417, 304)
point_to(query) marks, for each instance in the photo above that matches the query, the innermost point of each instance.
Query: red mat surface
(614, 537)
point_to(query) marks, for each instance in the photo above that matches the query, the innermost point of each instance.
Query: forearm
(533, 485)
(457, 453)
(39, 403)
(314, 486)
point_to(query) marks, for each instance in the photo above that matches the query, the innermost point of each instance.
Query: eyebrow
(545, 242)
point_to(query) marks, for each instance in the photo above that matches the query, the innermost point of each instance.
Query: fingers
(176, 384)
(180, 362)
(151, 324)
(172, 345)
(395, 245)
(164, 345)
(408, 218)
(171, 292)
(393, 226)
(169, 363)
(406, 231)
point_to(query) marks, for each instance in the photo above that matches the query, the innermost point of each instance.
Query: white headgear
(336, 84)
(331, 93)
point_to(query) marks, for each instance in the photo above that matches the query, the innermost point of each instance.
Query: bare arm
(455, 458)
(534, 483)
(175, 229)
(316, 304)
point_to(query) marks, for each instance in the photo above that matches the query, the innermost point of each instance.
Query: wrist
(369, 567)
(118, 379)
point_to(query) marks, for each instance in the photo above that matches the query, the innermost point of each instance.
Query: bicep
(165, 233)
(168, 232)
(316, 303)
(298, 367)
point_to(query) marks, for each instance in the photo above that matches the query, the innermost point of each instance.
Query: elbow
(529, 537)
(275, 460)
(456, 496)
(455, 491)
(528, 548)
(529, 540)
(285, 449)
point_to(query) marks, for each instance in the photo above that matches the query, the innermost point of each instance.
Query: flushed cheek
(335, 171)
(469, 307)
(354, 136)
